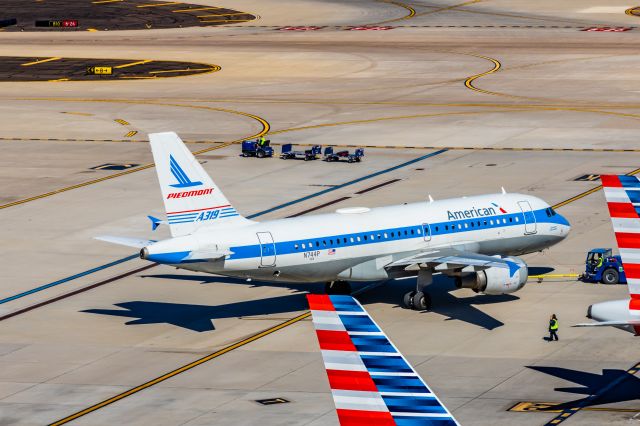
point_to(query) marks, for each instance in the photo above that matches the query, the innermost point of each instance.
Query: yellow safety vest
(554, 324)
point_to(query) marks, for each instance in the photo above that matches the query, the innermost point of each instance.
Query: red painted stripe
(634, 304)
(610, 181)
(197, 210)
(631, 270)
(624, 210)
(351, 380)
(628, 240)
(333, 340)
(320, 302)
(364, 418)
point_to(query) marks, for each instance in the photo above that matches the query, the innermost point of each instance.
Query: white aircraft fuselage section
(356, 244)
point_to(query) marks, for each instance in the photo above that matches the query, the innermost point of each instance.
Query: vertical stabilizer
(191, 199)
(623, 199)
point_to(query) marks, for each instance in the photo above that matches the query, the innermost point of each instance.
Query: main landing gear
(337, 287)
(419, 299)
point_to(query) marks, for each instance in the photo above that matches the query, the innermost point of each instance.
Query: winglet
(371, 382)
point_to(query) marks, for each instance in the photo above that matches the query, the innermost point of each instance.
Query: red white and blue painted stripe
(623, 199)
(371, 382)
(201, 215)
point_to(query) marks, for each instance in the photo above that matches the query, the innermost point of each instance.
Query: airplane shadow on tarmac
(606, 388)
(200, 318)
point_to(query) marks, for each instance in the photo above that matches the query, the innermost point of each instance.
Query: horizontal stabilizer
(125, 241)
(608, 323)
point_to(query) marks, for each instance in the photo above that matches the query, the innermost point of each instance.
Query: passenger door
(426, 232)
(267, 249)
(529, 217)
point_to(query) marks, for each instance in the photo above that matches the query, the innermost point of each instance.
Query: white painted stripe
(354, 400)
(621, 224)
(393, 413)
(634, 286)
(327, 320)
(366, 333)
(342, 360)
(616, 195)
(630, 256)
(352, 313)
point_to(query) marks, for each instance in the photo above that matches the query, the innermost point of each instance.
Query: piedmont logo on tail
(475, 246)
(622, 194)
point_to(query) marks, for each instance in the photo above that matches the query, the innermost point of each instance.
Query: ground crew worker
(553, 328)
(600, 262)
(262, 141)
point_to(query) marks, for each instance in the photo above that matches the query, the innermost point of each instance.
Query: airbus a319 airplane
(473, 239)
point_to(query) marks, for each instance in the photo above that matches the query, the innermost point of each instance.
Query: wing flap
(449, 260)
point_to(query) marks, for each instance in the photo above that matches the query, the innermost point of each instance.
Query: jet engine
(496, 280)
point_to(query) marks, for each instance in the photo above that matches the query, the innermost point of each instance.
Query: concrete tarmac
(524, 79)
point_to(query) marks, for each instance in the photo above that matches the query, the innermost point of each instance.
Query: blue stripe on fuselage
(394, 234)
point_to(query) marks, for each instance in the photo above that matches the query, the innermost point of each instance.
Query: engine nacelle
(496, 280)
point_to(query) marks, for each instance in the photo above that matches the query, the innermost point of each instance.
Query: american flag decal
(331, 251)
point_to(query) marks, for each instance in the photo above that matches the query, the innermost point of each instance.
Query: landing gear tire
(337, 287)
(407, 300)
(417, 301)
(421, 301)
(610, 276)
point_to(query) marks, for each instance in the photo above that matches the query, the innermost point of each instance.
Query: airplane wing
(449, 260)
(371, 382)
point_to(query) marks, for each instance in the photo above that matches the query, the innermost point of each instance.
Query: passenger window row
(478, 224)
(343, 241)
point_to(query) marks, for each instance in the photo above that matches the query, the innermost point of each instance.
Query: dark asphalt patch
(13, 68)
(110, 15)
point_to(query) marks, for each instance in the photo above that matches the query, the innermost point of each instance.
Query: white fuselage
(356, 244)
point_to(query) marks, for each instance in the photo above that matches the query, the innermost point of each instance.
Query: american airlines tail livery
(472, 239)
(623, 199)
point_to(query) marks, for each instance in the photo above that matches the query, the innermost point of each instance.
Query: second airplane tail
(191, 198)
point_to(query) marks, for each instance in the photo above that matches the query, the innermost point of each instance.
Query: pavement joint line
(240, 343)
(196, 9)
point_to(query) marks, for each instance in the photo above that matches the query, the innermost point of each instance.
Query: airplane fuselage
(357, 243)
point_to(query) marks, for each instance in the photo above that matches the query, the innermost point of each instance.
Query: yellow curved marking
(496, 66)
(633, 11)
(374, 120)
(411, 14)
(443, 9)
(182, 369)
(265, 129)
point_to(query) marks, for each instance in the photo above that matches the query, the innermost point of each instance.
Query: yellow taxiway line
(159, 4)
(131, 64)
(41, 61)
(183, 369)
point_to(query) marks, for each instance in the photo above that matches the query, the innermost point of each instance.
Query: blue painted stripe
(423, 421)
(411, 384)
(67, 279)
(408, 404)
(385, 364)
(351, 182)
